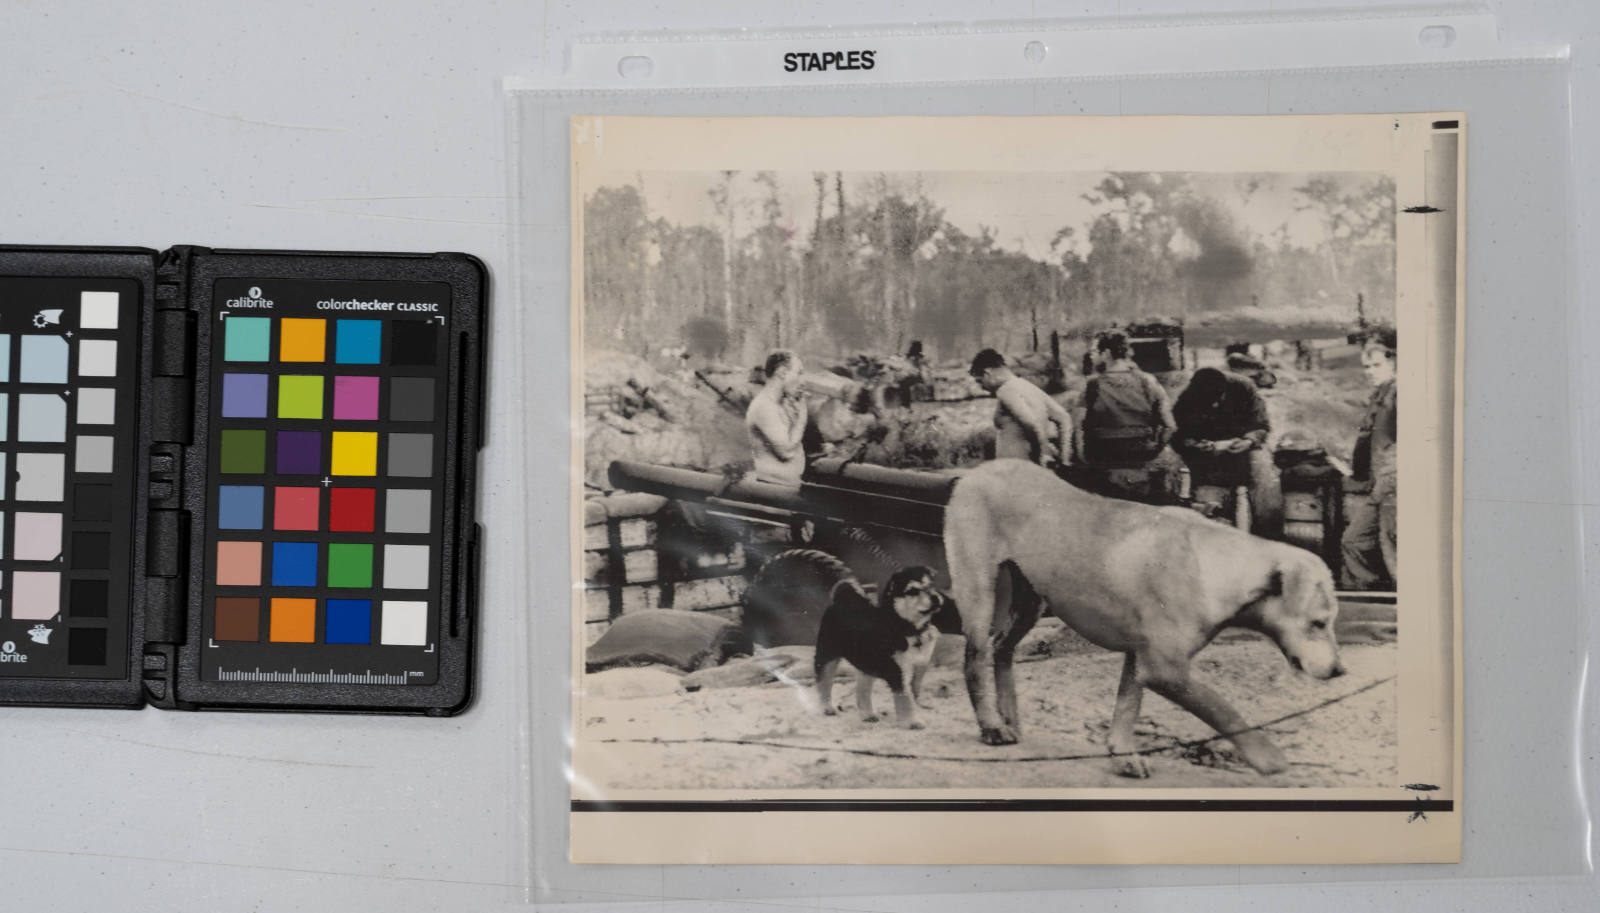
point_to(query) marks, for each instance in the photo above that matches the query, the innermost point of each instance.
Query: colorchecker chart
(67, 416)
(327, 409)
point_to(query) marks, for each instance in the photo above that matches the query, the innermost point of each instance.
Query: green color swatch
(244, 451)
(299, 396)
(247, 339)
(350, 565)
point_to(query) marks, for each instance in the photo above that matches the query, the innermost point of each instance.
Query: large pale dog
(1154, 583)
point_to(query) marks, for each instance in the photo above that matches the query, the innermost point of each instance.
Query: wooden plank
(596, 604)
(710, 593)
(595, 565)
(595, 537)
(636, 533)
(640, 566)
(1303, 507)
(640, 598)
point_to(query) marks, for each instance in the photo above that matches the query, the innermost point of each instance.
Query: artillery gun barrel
(926, 487)
(852, 505)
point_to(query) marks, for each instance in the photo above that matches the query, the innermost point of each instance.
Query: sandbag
(682, 640)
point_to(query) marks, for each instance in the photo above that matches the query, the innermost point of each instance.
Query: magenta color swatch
(355, 398)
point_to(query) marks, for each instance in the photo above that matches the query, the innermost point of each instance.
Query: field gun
(843, 519)
(868, 521)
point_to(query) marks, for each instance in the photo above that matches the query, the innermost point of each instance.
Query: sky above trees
(833, 263)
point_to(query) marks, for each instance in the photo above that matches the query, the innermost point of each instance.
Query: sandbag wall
(623, 572)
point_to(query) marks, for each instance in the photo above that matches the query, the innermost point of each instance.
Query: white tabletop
(327, 125)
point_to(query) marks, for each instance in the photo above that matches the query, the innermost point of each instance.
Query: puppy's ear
(947, 618)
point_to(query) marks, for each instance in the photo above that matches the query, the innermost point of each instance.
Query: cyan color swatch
(358, 342)
(247, 339)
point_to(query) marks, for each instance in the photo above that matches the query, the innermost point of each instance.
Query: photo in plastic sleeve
(974, 467)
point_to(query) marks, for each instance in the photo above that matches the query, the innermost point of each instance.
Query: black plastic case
(177, 340)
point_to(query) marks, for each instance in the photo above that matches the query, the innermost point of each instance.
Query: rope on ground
(906, 756)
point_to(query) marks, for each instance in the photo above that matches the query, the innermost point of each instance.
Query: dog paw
(1264, 756)
(872, 718)
(916, 724)
(1132, 766)
(924, 704)
(999, 735)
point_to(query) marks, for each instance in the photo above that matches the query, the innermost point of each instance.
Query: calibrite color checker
(235, 479)
(325, 483)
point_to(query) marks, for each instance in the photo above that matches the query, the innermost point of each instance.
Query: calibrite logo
(9, 654)
(253, 299)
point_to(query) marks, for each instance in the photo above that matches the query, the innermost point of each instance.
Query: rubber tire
(785, 602)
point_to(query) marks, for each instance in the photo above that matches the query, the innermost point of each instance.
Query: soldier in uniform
(1127, 422)
(1369, 537)
(1222, 434)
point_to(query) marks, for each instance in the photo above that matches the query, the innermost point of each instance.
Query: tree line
(883, 266)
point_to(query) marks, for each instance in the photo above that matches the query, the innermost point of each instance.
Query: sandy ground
(772, 736)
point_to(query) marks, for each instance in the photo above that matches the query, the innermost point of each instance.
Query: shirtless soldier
(1024, 416)
(776, 421)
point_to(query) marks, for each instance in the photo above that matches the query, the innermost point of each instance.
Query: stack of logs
(624, 573)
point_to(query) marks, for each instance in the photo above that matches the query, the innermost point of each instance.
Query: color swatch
(67, 376)
(328, 445)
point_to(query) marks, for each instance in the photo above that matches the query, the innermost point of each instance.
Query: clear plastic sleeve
(1525, 637)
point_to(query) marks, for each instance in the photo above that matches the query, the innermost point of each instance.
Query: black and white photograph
(1017, 480)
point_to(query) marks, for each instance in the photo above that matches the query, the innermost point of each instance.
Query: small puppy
(892, 640)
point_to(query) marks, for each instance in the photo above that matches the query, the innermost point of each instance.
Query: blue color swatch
(349, 621)
(239, 507)
(244, 396)
(294, 564)
(358, 342)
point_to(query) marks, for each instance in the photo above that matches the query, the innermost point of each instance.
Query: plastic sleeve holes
(1437, 36)
(635, 67)
(1034, 51)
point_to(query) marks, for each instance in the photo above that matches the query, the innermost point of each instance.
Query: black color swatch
(86, 646)
(88, 598)
(413, 343)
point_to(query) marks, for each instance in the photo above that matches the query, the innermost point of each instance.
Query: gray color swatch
(407, 510)
(411, 399)
(41, 476)
(97, 358)
(405, 567)
(94, 454)
(41, 417)
(411, 455)
(97, 406)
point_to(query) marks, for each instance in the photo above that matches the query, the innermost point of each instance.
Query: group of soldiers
(1126, 439)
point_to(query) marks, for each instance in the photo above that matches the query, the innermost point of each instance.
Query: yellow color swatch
(355, 453)
(303, 339)
(293, 621)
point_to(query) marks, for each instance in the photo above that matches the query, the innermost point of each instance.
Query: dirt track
(731, 737)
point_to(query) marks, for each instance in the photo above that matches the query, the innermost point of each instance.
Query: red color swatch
(350, 510)
(295, 508)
